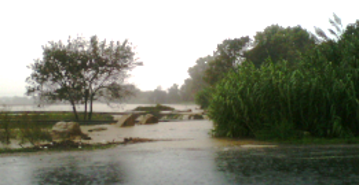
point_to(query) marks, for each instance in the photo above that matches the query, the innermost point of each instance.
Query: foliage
(5, 127)
(203, 97)
(278, 43)
(196, 82)
(30, 130)
(277, 100)
(321, 36)
(210, 69)
(173, 95)
(81, 72)
(158, 96)
(275, 42)
(155, 111)
(158, 107)
(23, 127)
(187, 90)
(227, 56)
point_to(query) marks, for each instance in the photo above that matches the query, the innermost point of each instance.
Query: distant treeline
(159, 96)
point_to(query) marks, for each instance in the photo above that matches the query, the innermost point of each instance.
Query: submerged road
(198, 160)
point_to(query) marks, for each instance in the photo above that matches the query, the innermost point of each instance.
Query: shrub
(203, 97)
(318, 95)
(5, 127)
(30, 130)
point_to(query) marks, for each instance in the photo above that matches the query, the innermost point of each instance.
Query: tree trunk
(85, 113)
(74, 110)
(91, 105)
(86, 100)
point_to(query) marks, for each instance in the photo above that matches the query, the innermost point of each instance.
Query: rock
(127, 120)
(148, 119)
(66, 131)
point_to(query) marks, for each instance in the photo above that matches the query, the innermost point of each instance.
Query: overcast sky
(170, 35)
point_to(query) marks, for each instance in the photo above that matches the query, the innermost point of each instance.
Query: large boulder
(66, 131)
(148, 119)
(127, 120)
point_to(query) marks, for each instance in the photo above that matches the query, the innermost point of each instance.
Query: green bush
(156, 108)
(5, 127)
(203, 97)
(155, 111)
(29, 129)
(318, 94)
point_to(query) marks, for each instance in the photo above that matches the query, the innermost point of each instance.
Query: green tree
(196, 81)
(174, 95)
(279, 43)
(226, 58)
(187, 93)
(82, 71)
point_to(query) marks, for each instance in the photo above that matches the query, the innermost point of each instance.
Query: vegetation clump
(154, 110)
(314, 95)
(158, 107)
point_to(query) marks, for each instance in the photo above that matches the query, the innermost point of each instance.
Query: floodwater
(98, 107)
(193, 157)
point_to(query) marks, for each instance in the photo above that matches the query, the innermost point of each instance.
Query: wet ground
(195, 158)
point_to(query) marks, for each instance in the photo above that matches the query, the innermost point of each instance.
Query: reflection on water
(63, 168)
(81, 171)
(186, 166)
(117, 166)
(290, 165)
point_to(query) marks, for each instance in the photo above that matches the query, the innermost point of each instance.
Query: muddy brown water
(194, 157)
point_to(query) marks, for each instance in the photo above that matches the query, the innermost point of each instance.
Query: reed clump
(316, 96)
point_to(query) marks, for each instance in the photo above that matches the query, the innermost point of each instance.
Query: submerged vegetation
(35, 127)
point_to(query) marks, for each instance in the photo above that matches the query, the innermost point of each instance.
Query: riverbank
(191, 134)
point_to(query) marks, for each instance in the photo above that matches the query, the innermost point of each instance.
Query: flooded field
(193, 157)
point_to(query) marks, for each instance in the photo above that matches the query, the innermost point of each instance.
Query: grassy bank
(35, 127)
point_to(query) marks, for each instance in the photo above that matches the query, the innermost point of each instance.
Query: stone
(66, 131)
(148, 119)
(127, 120)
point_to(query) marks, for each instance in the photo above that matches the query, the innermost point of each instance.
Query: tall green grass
(318, 94)
(24, 128)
